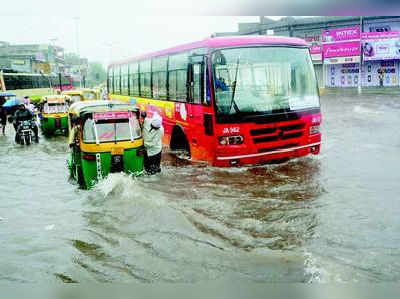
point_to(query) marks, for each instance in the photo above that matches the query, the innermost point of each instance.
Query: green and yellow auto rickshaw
(53, 114)
(82, 94)
(105, 137)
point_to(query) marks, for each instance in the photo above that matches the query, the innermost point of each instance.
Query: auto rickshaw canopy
(82, 92)
(55, 99)
(79, 108)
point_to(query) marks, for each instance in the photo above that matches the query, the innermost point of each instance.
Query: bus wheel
(179, 143)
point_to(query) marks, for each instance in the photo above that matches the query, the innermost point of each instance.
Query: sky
(113, 31)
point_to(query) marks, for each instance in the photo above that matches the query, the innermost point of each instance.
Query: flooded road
(332, 217)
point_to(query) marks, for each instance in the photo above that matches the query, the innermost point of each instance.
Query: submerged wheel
(80, 179)
(179, 143)
(27, 139)
(20, 139)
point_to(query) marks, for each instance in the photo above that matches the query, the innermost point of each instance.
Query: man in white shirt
(153, 132)
(29, 105)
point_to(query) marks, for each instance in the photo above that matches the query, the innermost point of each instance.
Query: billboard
(341, 34)
(341, 42)
(342, 49)
(381, 45)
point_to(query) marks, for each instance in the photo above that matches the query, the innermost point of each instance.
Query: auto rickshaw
(105, 137)
(83, 94)
(54, 116)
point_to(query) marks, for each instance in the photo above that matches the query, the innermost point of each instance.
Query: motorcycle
(24, 132)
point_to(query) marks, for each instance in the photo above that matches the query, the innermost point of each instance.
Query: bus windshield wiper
(233, 103)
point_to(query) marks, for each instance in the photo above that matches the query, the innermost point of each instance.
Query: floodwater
(332, 217)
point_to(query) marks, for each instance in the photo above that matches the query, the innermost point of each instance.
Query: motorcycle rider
(25, 114)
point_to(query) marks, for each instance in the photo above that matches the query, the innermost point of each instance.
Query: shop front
(381, 56)
(341, 57)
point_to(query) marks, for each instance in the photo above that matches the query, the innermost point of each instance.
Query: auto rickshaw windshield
(110, 130)
(89, 96)
(55, 108)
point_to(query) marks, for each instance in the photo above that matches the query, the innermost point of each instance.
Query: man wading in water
(153, 132)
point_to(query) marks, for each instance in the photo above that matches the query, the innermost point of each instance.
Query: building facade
(346, 70)
(32, 58)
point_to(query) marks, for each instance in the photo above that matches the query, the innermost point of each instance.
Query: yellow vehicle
(53, 114)
(84, 94)
(104, 138)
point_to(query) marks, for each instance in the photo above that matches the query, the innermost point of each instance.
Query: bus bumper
(268, 157)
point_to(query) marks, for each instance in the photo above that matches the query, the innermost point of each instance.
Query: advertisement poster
(341, 34)
(381, 45)
(341, 42)
(316, 52)
(341, 49)
(389, 70)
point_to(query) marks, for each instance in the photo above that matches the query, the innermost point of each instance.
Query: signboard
(317, 49)
(341, 34)
(316, 57)
(381, 45)
(18, 62)
(341, 42)
(112, 115)
(341, 49)
(339, 60)
(392, 24)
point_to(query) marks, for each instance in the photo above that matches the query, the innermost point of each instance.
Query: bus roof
(221, 42)
(100, 106)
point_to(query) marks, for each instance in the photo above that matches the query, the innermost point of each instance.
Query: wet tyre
(80, 179)
(27, 139)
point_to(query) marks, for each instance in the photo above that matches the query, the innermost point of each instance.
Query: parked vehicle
(104, 138)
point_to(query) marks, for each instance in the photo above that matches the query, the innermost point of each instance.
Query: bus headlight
(314, 129)
(231, 140)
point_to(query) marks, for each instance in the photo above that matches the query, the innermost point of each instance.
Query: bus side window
(195, 83)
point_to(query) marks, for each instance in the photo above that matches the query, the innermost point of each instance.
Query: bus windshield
(110, 130)
(258, 80)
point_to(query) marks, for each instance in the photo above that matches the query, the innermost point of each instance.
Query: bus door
(200, 114)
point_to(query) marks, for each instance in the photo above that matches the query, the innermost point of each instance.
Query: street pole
(59, 78)
(361, 58)
(77, 50)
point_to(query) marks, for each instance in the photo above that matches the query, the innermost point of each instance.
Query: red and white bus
(230, 101)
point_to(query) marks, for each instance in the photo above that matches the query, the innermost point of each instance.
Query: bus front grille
(277, 134)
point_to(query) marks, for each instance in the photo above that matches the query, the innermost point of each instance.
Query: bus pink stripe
(220, 42)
